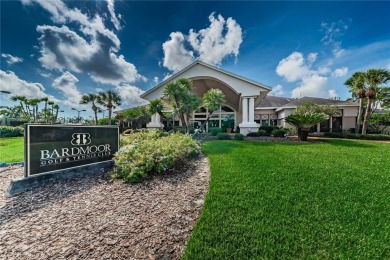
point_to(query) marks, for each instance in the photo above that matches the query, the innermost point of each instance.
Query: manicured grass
(11, 149)
(295, 201)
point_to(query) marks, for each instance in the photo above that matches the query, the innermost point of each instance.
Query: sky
(65, 49)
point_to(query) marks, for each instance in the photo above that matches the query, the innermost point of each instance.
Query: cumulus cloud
(311, 81)
(66, 83)
(9, 81)
(11, 59)
(312, 57)
(114, 18)
(221, 39)
(93, 50)
(312, 86)
(340, 72)
(277, 90)
(130, 95)
(332, 93)
(293, 67)
(332, 31)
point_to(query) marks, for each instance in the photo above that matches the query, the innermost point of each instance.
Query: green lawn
(11, 149)
(295, 201)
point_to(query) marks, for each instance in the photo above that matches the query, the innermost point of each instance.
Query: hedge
(357, 136)
(10, 131)
(223, 136)
(145, 153)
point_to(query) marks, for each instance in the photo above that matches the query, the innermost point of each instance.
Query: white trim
(210, 67)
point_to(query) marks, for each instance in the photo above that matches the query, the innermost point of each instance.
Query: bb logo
(81, 139)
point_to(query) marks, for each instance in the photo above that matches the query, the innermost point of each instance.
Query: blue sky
(64, 49)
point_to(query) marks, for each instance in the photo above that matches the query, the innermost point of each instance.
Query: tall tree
(109, 99)
(55, 116)
(357, 88)
(24, 105)
(212, 100)
(156, 107)
(373, 78)
(34, 103)
(45, 111)
(91, 98)
(181, 97)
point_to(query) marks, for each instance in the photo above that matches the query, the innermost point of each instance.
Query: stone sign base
(25, 184)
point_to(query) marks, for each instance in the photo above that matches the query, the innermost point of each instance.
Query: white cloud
(277, 91)
(221, 39)
(293, 67)
(155, 80)
(11, 59)
(93, 50)
(340, 72)
(311, 86)
(312, 57)
(9, 81)
(130, 95)
(176, 57)
(332, 93)
(111, 10)
(311, 82)
(332, 31)
(66, 83)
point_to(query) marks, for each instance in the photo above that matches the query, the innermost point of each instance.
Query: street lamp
(78, 117)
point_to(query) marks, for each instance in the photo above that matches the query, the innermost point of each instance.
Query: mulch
(95, 217)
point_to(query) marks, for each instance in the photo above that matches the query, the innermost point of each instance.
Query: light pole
(78, 117)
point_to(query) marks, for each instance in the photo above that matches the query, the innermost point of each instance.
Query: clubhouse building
(247, 104)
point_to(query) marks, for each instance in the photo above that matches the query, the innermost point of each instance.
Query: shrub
(268, 129)
(152, 154)
(223, 136)
(137, 136)
(10, 131)
(278, 132)
(215, 130)
(239, 137)
(255, 134)
(357, 136)
(262, 132)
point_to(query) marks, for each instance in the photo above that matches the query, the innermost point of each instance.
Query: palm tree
(373, 79)
(91, 98)
(181, 97)
(304, 121)
(212, 100)
(34, 103)
(45, 111)
(357, 87)
(156, 107)
(24, 105)
(109, 99)
(56, 107)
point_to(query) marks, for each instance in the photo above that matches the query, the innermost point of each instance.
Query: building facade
(247, 104)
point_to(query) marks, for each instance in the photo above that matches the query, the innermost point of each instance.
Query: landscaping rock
(95, 217)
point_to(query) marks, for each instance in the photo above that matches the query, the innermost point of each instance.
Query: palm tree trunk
(367, 116)
(109, 115)
(55, 119)
(359, 116)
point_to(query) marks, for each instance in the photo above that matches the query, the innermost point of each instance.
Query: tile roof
(282, 102)
(272, 101)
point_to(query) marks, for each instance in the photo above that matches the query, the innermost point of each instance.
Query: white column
(157, 118)
(244, 110)
(330, 124)
(251, 110)
(153, 119)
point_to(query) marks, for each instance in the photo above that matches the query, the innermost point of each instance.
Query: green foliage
(311, 107)
(303, 122)
(326, 200)
(10, 131)
(239, 137)
(268, 129)
(213, 99)
(257, 134)
(110, 100)
(348, 135)
(279, 132)
(224, 136)
(146, 153)
(263, 132)
(139, 136)
(378, 122)
(106, 121)
(12, 149)
(215, 130)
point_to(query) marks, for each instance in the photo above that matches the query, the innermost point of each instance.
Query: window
(324, 126)
(337, 124)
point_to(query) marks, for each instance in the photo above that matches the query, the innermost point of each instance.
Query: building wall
(349, 122)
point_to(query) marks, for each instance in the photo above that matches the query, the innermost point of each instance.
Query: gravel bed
(98, 218)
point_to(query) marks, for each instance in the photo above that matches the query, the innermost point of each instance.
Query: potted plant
(229, 125)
